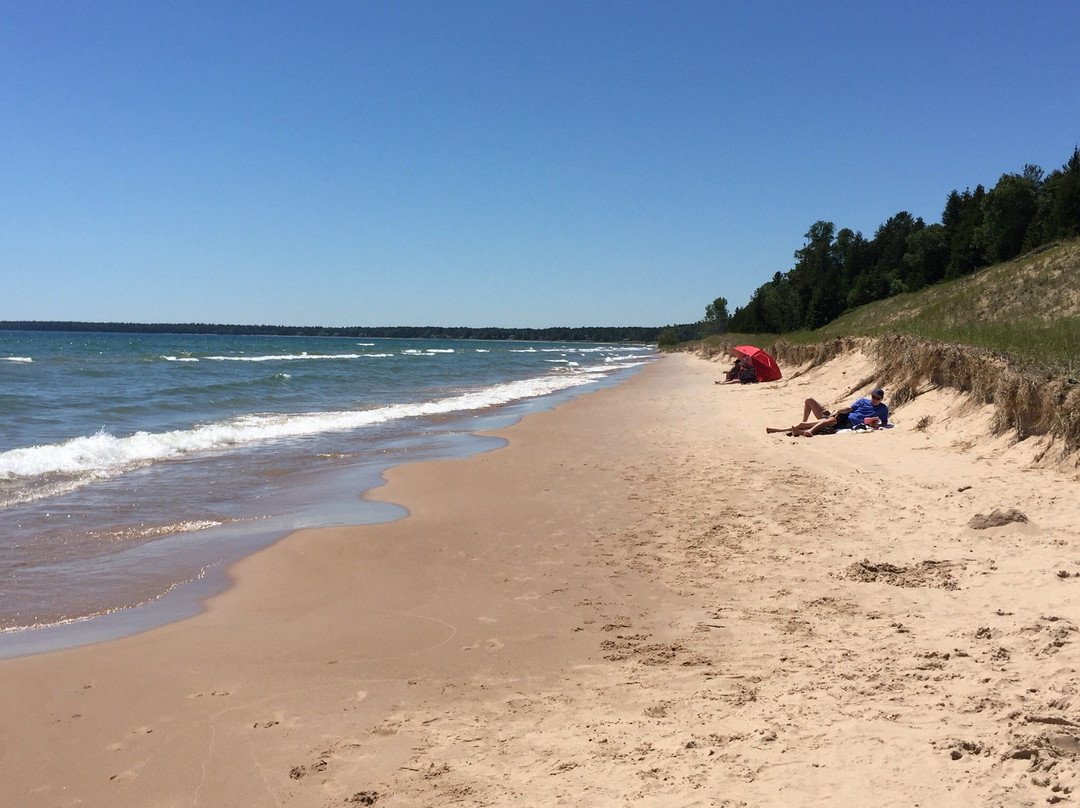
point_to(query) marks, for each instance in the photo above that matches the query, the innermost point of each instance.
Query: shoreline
(361, 613)
(640, 597)
(351, 504)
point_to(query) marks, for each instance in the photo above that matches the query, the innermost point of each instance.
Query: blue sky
(510, 163)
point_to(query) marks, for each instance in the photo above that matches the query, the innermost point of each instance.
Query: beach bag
(747, 376)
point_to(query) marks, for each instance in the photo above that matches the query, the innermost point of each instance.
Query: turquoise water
(134, 466)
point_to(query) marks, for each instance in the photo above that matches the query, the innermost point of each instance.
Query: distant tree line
(555, 334)
(837, 271)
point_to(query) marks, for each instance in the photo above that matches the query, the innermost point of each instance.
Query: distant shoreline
(553, 334)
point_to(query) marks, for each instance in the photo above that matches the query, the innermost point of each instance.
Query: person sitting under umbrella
(864, 413)
(758, 366)
(742, 372)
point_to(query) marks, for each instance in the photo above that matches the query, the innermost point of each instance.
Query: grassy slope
(1028, 308)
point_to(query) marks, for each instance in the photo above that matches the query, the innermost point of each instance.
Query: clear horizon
(485, 164)
(309, 326)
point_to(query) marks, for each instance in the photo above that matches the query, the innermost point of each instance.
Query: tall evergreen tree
(1008, 210)
(962, 218)
(1063, 220)
(889, 248)
(815, 278)
(852, 252)
(927, 256)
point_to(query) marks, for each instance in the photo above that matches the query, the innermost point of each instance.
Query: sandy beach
(641, 599)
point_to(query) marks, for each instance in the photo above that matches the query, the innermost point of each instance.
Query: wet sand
(641, 598)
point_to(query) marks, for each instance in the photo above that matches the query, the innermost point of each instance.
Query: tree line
(553, 334)
(836, 271)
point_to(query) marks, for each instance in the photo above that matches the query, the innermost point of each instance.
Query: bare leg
(807, 429)
(812, 407)
(798, 429)
(814, 428)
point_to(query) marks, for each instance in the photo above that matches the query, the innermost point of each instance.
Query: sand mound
(926, 573)
(996, 518)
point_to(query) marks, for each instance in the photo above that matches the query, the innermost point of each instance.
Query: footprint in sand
(299, 772)
(363, 798)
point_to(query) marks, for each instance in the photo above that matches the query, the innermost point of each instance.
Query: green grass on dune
(1051, 346)
(1028, 309)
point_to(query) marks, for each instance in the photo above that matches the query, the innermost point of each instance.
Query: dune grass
(1027, 310)
(1053, 347)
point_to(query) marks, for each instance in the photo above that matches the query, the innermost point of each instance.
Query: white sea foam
(627, 358)
(612, 348)
(70, 621)
(138, 532)
(276, 357)
(104, 455)
(284, 357)
(40, 490)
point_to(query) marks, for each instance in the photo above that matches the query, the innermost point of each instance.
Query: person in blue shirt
(870, 412)
(864, 413)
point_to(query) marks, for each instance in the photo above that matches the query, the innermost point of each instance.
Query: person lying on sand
(864, 413)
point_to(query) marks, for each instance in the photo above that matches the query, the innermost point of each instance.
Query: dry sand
(642, 599)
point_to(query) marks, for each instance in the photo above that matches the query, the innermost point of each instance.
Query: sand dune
(642, 599)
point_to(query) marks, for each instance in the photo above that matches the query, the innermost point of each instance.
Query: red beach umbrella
(764, 365)
(745, 350)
